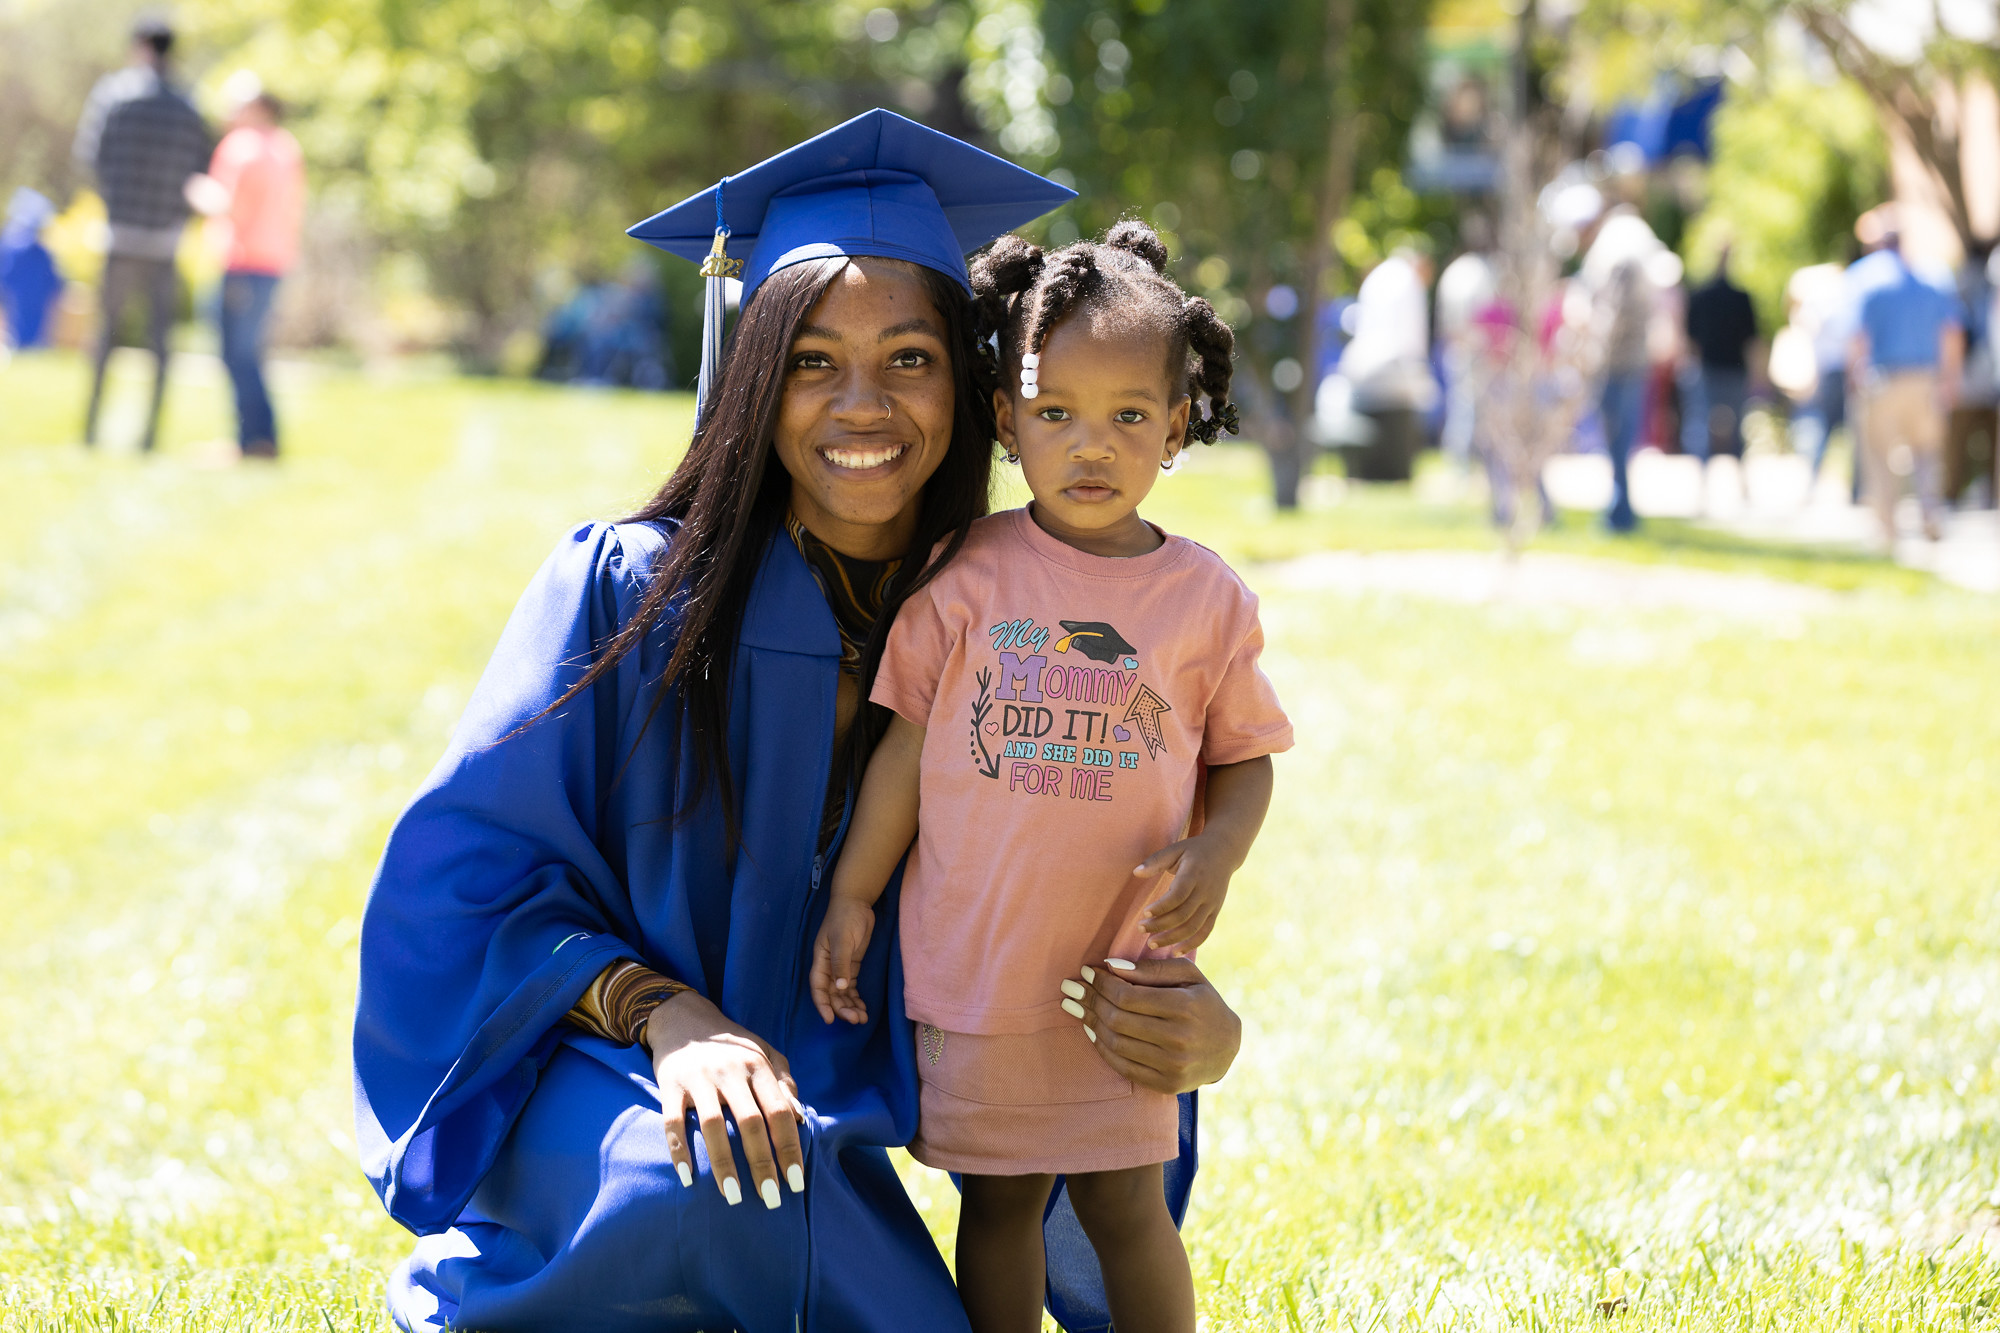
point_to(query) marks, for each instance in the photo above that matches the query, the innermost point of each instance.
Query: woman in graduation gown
(588, 1073)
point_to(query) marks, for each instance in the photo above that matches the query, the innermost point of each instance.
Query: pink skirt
(1013, 1104)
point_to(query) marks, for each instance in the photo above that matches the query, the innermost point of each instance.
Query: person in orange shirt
(254, 194)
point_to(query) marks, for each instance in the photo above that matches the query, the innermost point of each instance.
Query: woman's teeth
(861, 459)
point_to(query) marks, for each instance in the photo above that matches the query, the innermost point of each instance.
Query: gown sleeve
(496, 904)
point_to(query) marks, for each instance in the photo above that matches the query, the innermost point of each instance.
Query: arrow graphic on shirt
(1145, 714)
(983, 759)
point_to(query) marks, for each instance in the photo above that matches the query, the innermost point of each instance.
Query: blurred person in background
(1906, 359)
(1621, 300)
(1464, 289)
(1388, 364)
(254, 195)
(29, 280)
(1721, 328)
(140, 140)
(1813, 297)
(1875, 231)
(610, 333)
(1972, 429)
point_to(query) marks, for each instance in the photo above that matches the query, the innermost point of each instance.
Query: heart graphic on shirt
(1122, 733)
(1131, 664)
(993, 728)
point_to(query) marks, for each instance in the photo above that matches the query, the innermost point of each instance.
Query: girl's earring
(1012, 457)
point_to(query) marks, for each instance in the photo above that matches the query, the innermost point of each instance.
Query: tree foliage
(1915, 83)
(497, 138)
(473, 147)
(1796, 162)
(1213, 121)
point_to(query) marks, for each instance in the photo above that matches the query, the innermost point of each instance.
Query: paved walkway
(1772, 499)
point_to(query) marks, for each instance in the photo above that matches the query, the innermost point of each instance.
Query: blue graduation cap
(877, 185)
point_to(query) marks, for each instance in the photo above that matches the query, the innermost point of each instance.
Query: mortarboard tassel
(718, 268)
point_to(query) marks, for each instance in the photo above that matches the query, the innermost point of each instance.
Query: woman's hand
(1158, 1022)
(704, 1061)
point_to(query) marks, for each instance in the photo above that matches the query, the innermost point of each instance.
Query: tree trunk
(1289, 453)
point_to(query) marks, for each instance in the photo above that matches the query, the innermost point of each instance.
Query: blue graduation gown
(529, 1157)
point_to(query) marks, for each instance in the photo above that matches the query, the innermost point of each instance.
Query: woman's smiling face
(867, 410)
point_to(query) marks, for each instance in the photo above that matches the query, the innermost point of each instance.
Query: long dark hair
(725, 503)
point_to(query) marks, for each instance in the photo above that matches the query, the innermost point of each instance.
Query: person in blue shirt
(588, 1070)
(1907, 355)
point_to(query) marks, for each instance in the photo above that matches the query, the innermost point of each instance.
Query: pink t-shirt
(1070, 701)
(266, 176)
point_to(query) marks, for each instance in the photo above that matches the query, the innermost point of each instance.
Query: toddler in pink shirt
(1078, 711)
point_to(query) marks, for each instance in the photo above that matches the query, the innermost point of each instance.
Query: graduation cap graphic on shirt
(878, 185)
(1095, 639)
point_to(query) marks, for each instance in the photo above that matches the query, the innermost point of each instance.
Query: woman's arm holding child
(1182, 917)
(884, 825)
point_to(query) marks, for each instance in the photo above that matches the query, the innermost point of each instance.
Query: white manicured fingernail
(685, 1172)
(1073, 989)
(769, 1189)
(1072, 1008)
(1090, 975)
(731, 1191)
(1120, 965)
(1089, 1032)
(795, 1176)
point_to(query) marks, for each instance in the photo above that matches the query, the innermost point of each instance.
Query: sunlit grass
(1682, 959)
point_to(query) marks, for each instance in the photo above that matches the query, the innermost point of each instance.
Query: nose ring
(888, 409)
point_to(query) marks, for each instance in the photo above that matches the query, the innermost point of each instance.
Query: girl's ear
(1177, 426)
(1003, 421)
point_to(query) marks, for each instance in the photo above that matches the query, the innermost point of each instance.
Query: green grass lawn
(1658, 941)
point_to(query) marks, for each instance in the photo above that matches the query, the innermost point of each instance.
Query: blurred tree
(497, 139)
(1796, 162)
(1914, 62)
(50, 55)
(1239, 130)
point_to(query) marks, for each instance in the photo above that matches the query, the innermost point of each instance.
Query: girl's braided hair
(1024, 291)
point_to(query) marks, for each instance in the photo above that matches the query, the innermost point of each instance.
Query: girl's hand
(1182, 917)
(1159, 1023)
(836, 969)
(703, 1061)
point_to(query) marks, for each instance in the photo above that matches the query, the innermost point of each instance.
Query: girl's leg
(1002, 1269)
(1138, 1248)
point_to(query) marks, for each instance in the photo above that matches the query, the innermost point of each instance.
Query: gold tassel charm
(719, 264)
(717, 269)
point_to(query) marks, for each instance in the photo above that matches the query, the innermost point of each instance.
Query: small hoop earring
(1011, 456)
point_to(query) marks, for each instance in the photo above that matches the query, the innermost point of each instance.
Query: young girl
(1060, 692)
